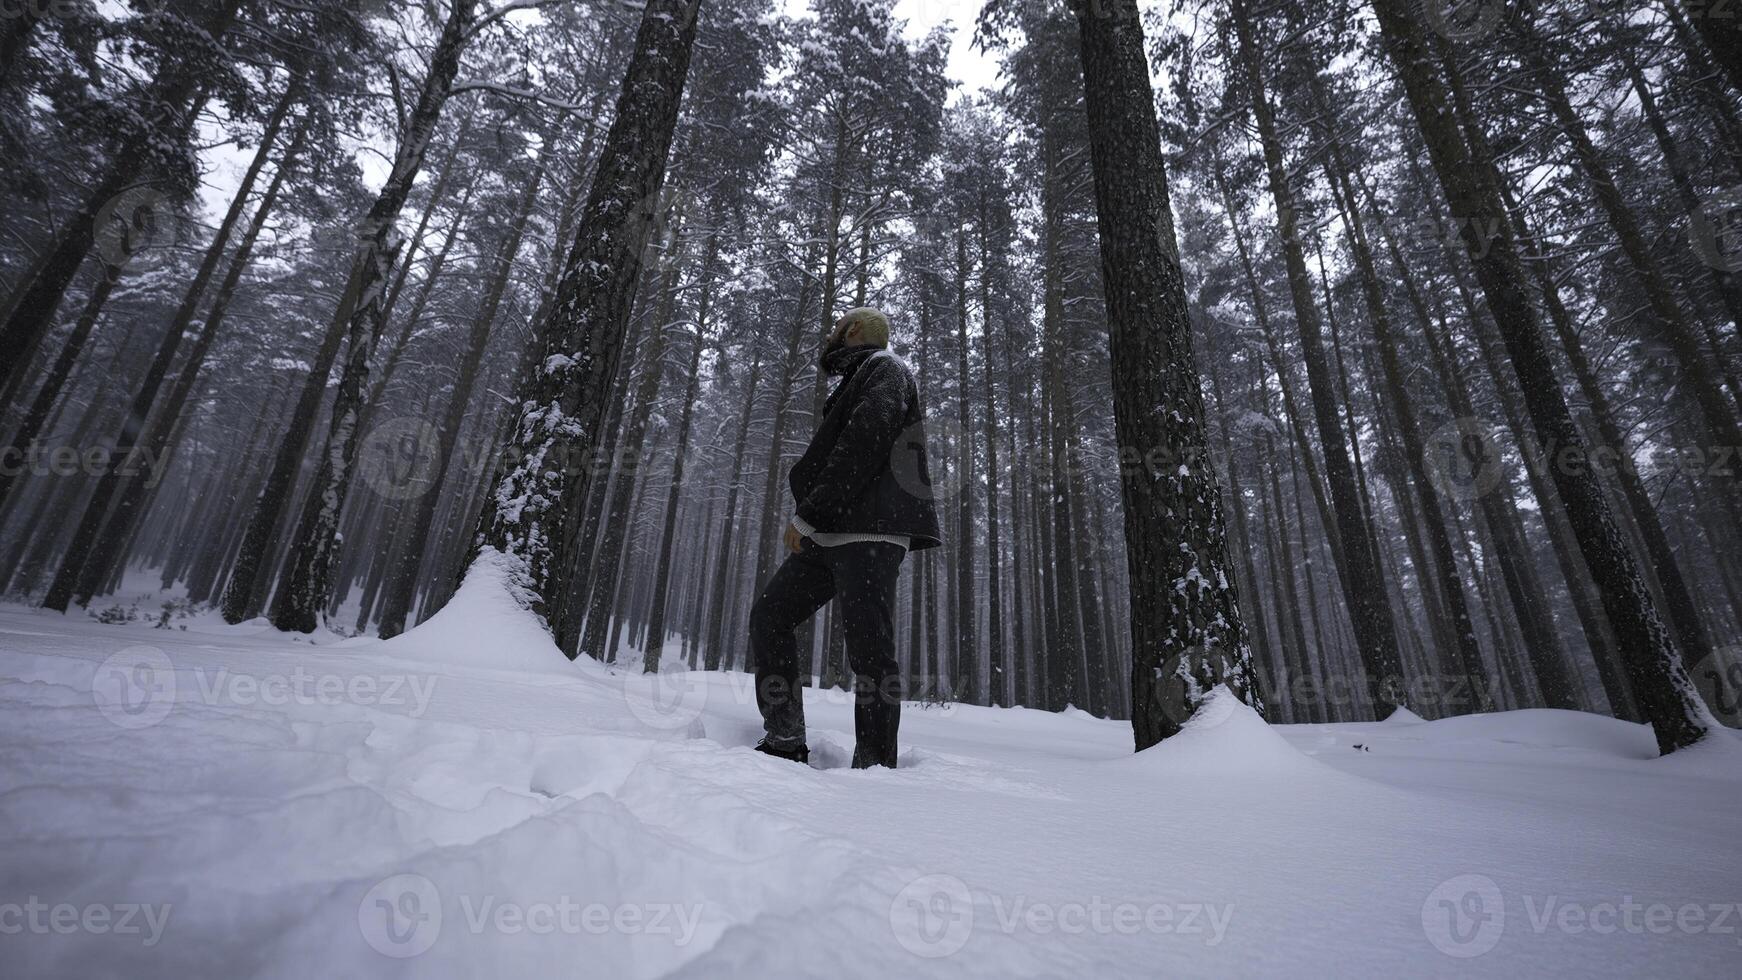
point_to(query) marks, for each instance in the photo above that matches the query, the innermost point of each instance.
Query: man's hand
(794, 540)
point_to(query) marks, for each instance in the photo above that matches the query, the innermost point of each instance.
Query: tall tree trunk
(536, 507)
(251, 574)
(1099, 635)
(1269, 661)
(1363, 587)
(995, 673)
(715, 640)
(105, 559)
(402, 581)
(128, 449)
(631, 448)
(920, 682)
(1469, 651)
(1187, 633)
(766, 537)
(1065, 651)
(1022, 509)
(1499, 509)
(1684, 618)
(964, 666)
(203, 578)
(1303, 688)
(1291, 413)
(668, 530)
(1467, 177)
(303, 593)
(414, 318)
(444, 173)
(36, 416)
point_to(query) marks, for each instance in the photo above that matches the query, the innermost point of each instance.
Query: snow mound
(1548, 728)
(1404, 716)
(487, 623)
(1717, 756)
(532, 824)
(1225, 736)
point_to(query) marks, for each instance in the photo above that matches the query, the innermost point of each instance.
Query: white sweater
(829, 540)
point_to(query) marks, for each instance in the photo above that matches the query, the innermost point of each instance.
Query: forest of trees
(1384, 352)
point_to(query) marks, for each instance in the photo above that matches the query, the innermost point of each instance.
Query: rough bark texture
(1666, 695)
(1186, 630)
(537, 503)
(303, 592)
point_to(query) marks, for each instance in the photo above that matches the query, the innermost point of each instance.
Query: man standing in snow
(863, 495)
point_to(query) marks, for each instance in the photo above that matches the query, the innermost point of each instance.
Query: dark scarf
(840, 361)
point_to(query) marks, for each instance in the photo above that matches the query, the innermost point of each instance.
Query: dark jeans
(862, 576)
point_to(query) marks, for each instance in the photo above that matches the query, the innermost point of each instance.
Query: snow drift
(554, 819)
(1224, 737)
(486, 624)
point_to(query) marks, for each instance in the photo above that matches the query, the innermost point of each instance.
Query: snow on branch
(480, 85)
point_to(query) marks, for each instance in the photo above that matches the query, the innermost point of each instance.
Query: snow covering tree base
(1224, 735)
(489, 622)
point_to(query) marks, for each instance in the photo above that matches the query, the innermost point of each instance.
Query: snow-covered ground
(208, 800)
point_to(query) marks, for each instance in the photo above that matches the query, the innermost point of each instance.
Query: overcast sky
(973, 68)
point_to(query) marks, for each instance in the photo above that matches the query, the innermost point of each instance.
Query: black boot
(798, 753)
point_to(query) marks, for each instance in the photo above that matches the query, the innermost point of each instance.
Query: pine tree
(303, 592)
(1468, 181)
(1187, 632)
(535, 508)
